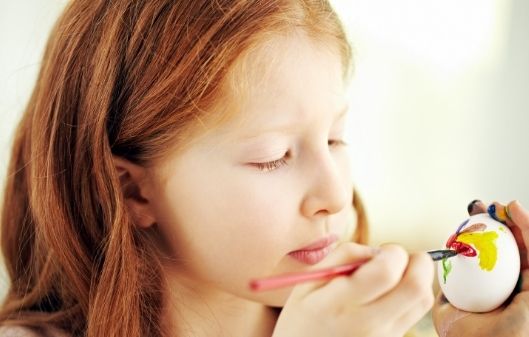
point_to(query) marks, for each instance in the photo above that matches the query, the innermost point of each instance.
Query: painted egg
(484, 273)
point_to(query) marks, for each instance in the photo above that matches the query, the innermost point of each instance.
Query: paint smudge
(477, 227)
(498, 213)
(463, 249)
(485, 245)
(473, 241)
(447, 268)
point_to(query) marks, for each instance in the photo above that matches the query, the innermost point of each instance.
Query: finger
(412, 317)
(476, 207)
(375, 278)
(498, 212)
(523, 283)
(504, 214)
(520, 217)
(344, 253)
(518, 222)
(414, 293)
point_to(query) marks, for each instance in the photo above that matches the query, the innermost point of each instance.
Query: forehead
(287, 78)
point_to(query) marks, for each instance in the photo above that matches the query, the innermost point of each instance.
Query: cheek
(231, 229)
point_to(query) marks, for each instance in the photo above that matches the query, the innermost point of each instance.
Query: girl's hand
(512, 319)
(385, 297)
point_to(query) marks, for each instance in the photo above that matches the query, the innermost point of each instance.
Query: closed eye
(270, 165)
(273, 164)
(336, 142)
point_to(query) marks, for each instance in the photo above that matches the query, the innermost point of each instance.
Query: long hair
(131, 79)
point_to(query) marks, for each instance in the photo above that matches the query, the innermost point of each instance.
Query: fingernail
(508, 211)
(497, 212)
(492, 211)
(476, 207)
(470, 206)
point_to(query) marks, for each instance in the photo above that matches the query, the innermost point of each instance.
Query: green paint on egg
(447, 267)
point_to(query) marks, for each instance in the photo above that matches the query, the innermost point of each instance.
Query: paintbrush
(275, 282)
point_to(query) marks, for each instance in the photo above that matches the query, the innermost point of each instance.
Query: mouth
(314, 252)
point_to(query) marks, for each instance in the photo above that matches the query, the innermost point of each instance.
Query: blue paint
(461, 226)
(492, 212)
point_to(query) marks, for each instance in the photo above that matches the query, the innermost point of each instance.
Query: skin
(272, 180)
(512, 319)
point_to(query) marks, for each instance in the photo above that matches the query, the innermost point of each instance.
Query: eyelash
(336, 142)
(275, 164)
(271, 165)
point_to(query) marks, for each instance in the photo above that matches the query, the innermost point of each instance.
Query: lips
(314, 252)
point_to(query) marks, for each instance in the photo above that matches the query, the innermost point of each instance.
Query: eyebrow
(289, 126)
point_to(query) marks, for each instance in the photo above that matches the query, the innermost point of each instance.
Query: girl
(172, 151)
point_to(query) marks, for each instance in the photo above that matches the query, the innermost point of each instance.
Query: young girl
(174, 150)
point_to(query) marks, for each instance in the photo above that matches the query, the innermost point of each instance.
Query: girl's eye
(274, 164)
(271, 165)
(336, 142)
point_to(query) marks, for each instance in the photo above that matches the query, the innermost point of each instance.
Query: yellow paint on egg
(484, 243)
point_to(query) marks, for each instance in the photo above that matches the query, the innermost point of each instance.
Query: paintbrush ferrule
(437, 255)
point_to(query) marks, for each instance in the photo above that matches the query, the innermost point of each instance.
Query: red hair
(130, 79)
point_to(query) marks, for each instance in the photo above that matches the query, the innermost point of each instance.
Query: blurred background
(440, 111)
(439, 106)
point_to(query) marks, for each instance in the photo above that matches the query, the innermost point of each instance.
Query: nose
(327, 193)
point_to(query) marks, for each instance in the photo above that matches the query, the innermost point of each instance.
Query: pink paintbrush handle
(286, 280)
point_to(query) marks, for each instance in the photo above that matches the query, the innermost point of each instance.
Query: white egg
(483, 282)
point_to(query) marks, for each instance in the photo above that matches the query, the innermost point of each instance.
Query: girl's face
(246, 198)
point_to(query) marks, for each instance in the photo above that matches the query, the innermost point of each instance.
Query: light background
(439, 105)
(440, 111)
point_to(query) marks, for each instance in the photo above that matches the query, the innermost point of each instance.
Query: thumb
(519, 225)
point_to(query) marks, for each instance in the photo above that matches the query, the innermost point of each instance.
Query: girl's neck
(192, 310)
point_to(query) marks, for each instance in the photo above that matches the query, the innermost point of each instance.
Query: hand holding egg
(485, 272)
(512, 317)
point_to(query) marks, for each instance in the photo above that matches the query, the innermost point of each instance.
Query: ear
(136, 191)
